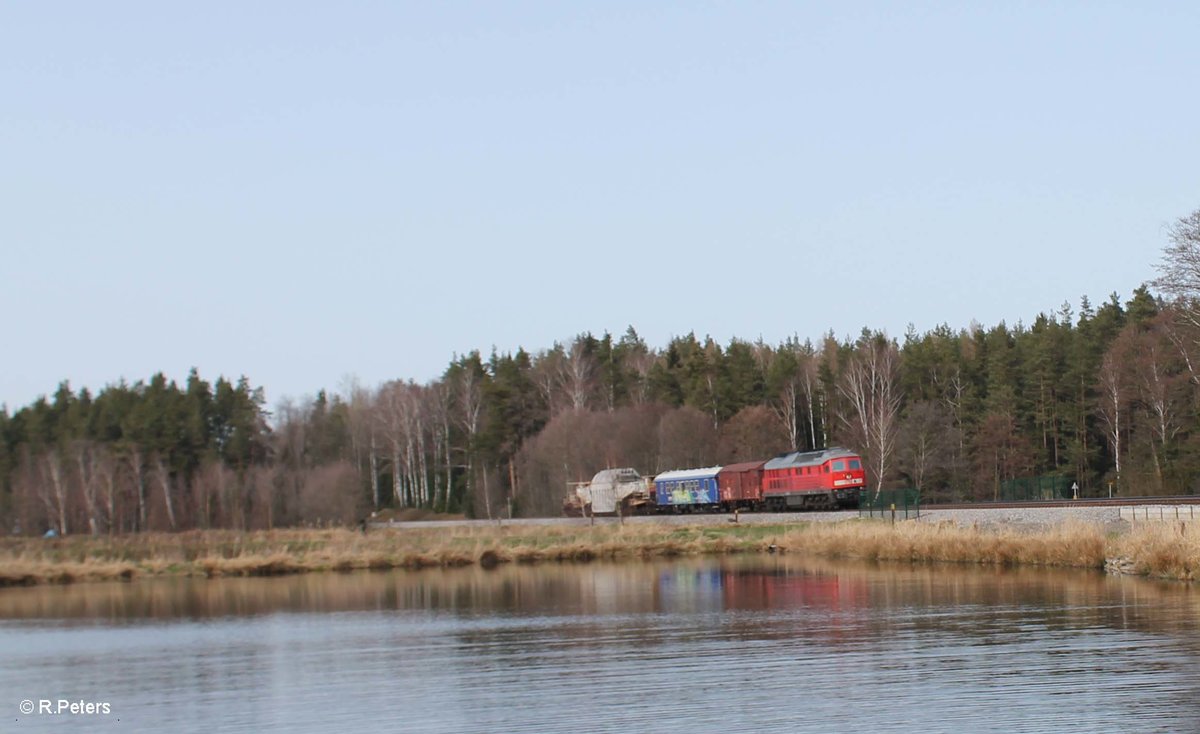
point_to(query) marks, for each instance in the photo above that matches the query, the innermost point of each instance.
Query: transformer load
(608, 490)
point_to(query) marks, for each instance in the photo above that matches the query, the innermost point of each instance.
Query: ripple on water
(788, 645)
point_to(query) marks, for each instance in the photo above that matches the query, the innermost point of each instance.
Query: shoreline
(1168, 550)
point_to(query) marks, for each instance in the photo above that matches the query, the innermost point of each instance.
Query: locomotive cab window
(839, 465)
(855, 464)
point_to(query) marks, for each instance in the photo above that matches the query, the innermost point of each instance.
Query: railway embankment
(1086, 538)
(1018, 518)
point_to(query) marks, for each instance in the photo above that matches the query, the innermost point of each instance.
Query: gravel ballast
(1024, 518)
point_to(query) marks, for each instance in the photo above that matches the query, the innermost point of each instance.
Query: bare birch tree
(402, 412)
(84, 454)
(108, 475)
(953, 393)
(419, 467)
(470, 404)
(163, 474)
(870, 384)
(1179, 279)
(58, 486)
(391, 406)
(137, 470)
(363, 442)
(441, 403)
(1159, 393)
(51, 486)
(577, 374)
(1183, 336)
(796, 402)
(786, 408)
(1113, 407)
(813, 394)
(1179, 270)
(546, 377)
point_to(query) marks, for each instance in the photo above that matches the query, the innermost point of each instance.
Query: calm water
(782, 644)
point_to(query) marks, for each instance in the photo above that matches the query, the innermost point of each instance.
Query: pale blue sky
(299, 192)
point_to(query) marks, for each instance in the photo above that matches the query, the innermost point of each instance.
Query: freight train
(800, 480)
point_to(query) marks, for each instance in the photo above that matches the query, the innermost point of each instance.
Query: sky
(303, 193)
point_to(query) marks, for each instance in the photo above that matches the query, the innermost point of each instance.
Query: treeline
(1106, 396)
(146, 456)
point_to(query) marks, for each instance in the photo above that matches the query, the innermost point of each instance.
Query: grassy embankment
(1157, 549)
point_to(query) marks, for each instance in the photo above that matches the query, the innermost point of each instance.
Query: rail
(1090, 502)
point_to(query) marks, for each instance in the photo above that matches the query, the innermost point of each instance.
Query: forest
(1104, 395)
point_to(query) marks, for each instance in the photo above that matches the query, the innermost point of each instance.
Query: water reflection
(698, 586)
(757, 644)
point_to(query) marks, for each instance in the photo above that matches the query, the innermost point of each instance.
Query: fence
(905, 502)
(1032, 489)
(1159, 513)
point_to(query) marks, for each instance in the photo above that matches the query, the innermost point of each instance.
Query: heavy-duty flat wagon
(609, 491)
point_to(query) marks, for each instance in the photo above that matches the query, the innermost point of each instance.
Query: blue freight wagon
(688, 488)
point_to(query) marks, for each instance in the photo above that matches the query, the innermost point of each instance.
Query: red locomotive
(815, 480)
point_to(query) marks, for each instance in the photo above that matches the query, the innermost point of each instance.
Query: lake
(774, 644)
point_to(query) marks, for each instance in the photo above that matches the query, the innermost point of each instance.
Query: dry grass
(1168, 550)
(29, 573)
(1156, 549)
(1070, 545)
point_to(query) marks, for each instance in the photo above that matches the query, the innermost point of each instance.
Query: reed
(1069, 545)
(1169, 550)
(1159, 549)
(30, 573)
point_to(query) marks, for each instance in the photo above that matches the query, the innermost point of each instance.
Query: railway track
(713, 518)
(1082, 502)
